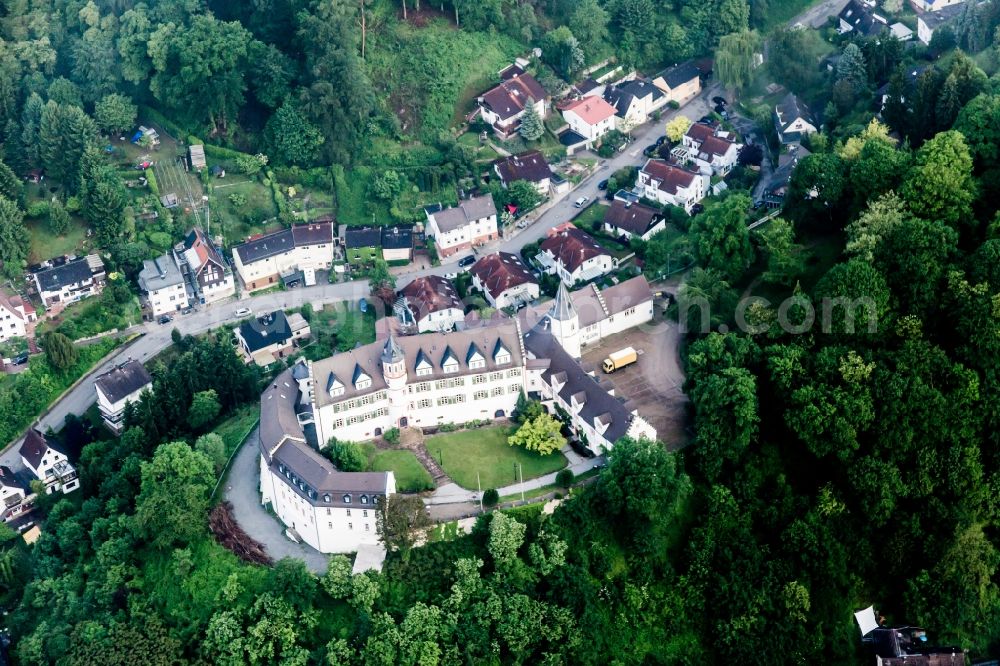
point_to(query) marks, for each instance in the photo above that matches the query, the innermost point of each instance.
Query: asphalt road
(156, 337)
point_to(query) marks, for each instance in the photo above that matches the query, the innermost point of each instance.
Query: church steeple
(564, 322)
(562, 307)
(391, 353)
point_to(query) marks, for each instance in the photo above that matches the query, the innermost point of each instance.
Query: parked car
(166, 319)
(243, 312)
(21, 358)
(650, 149)
(579, 202)
(187, 310)
(466, 261)
(603, 185)
(707, 120)
(719, 100)
(661, 140)
(522, 224)
(451, 276)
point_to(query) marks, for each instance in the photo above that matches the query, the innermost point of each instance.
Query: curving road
(155, 338)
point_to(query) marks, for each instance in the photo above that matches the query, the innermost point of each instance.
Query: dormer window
(363, 383)
(347, 499)
(362, 379)
(364, 499)
(475, 358)
(449, 363)
(423, 366)
(501, 355)
(334, 386)
(326, 498)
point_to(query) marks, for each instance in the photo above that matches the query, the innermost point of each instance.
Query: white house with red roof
(48, 464)
(573, 255)
(668, 183)
(590, 117)
(713, 149)
(15, 314)
(504, 280)
(503, 106)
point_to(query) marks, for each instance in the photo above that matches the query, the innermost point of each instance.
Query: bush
(154, 187)
(238, 200)
(674, 104)
(347, 456)
(392, 436)
(490, 498)
(38, 209)
(565, 477)
(447, 427)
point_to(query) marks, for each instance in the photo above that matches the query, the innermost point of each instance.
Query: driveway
(655, 383)
(242, 485)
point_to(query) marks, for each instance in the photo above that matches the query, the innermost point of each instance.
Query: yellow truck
(620, 359)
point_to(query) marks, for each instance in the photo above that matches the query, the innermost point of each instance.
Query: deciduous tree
(541, 434)
(721, 239)
(173, 499)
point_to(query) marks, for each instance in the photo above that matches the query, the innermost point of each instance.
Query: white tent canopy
(866, 620)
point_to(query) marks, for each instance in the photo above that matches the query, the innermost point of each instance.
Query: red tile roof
(501, 271)
(591, 110)
(670, 176)
(431, 293)
(633, 218)
(530, 166)
(572, 247)
(510, 97)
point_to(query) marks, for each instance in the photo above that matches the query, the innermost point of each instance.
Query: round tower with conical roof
(394, 371)
(564, 322)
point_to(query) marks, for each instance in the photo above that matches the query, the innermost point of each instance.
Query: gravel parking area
(654, 384)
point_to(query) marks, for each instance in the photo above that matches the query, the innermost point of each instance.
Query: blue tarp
(136, 137)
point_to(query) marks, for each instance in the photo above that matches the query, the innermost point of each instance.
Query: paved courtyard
(655, 383)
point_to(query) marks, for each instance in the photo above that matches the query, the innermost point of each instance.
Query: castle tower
(394, 371)
(564, 322)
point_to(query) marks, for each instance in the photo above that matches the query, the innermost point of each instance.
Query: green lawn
(411, 477)
(339, 328)
(45, 244)
(237, 222)
(783, 11)
(234, 429)
(485, 451)
(94, 315)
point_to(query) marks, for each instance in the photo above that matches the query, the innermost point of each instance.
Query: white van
(579, 202)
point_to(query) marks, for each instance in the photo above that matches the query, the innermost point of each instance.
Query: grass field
(784, 11)
(411, 477)
(46, 245)
(485, 451)
(234, 222)
(236, 427)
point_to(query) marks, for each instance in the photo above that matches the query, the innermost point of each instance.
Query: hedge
(151, 180)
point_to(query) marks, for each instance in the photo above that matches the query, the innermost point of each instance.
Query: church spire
(391, 353)
(562, 306)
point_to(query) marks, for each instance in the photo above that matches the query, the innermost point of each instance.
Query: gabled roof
(572, 247)
(501, 271)
(670, 177)
(530, 166)
(391, 353)
(279, 242)
(269, 329)
(860, 18)
(430, 293)
(468, 210)
(11, 304)
(359, 374)
(362, 237)
(34, 447)
(69, 273)
(397, 237)
(593, 304)
(709, 140)
(790, 108)
(680, 74)
(123, 380)
(313, 233)
(592, 110)
(199, 247)
(620, 96)
(633, 218)
(511, 97)
(935, 19)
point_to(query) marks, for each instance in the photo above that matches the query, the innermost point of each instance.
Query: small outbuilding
(196, 154)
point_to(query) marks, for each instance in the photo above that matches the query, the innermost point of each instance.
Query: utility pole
(521, 474)
(479, 487)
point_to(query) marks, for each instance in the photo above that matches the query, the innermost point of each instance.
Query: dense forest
(834, 463)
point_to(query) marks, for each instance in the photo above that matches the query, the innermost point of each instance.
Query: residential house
(116, 388)
(602, 313)
(209, 277)
(680, 83)
(471, 223)
(781, 176)
(930, 21)
(634, 101)
(67, 280)
(590, 117)
(48, 464)
(668, 183)
(911, 76)
(792, 119)
(16, 497)
(589, 88)
(15, 314)
(362, 245)
(270, 337)
(503, 106)
(431, 303)
(397, 242)
(857, 17)
(530, 166)
(262, 261)
(573, 255)
(504, 279)
(933, 6)
(628, 220)
(163, 286)
(901, 32)
(711, 148)
(908, 646)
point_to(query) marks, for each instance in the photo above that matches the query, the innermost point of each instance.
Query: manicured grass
(45, 244)
(411, 477)
(485, 451)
